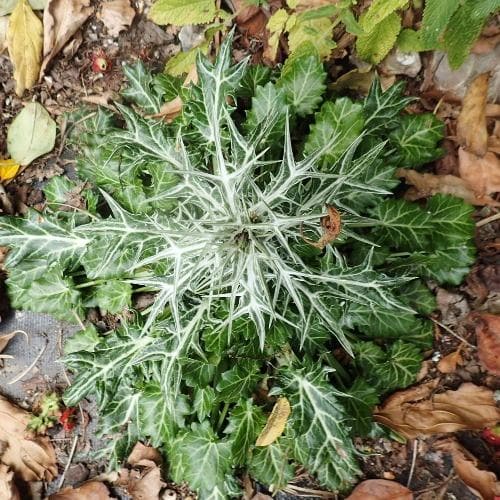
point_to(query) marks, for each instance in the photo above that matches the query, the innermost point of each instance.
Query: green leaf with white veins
(382, 108)
(319, 420)
(39, 237)
(112, 296)
(83, 340)
(270, 465)
(303, 79)
(337, 124)
(402, 366)
(141, 88)
(245, 422)
(198, 456)
(416, 140)
(180, 13)
(238, 381)
(204, 401)
(52, 293)
(267, 116)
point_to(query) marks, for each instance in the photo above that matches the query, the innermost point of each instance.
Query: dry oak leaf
(380, 489)
(482, 483)
(471, 123)
(418, 412)
(8, 490)
(481, 174)
(92, 490)
(116, 15)
(488, 341)
(24, 41)
(425, 185)
(32, 459)
(61, 20)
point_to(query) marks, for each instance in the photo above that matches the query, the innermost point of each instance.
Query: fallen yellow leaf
(275, 423)
(24, 41)
(8, 169)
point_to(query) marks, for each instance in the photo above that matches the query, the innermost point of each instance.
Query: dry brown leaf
(24, 41)
(380, 489)
(481, 174)
(425, 185)
(418, 412)
(449, 363)
(471, 123)
(8, 490)
(32, 459)
(92, 490)
(144, 481)
(275, 424)
(142, 452)
(61, 20)
(488, 341)
(116, 15)
(481, 482)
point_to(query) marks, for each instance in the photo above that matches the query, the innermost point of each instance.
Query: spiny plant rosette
(273, 255)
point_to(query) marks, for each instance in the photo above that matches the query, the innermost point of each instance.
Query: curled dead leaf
(425, 185)
(480, 173)
(61, 20)
(32, 459)
(331, 225)
(418, 412)
(449, 363)
(488, 341)
(24, 41)
(141, 452)
(471, 123)
(482, 483)
(143, 481)
(116, 15)
(380, 489)
(91, 490)
(275, 424)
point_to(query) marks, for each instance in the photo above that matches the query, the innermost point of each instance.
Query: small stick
(413, 462)
(451, 332)
(30, 367)
(487, 220)
(68, 463)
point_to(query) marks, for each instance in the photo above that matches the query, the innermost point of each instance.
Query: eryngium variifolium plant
(262, 227)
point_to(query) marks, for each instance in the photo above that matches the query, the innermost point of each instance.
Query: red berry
(492, 435)
(67, 419)
(100, 62)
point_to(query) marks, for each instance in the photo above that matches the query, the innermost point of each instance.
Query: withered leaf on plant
(275, 424)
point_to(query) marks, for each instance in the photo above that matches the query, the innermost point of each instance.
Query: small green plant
(47, 415)
(449, 25)
(263, 222)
